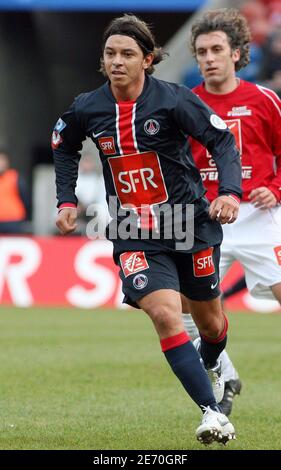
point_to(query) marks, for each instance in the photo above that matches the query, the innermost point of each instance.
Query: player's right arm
(67, 140)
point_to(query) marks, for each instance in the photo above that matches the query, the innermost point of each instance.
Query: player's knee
(164, 314)
(213, 327)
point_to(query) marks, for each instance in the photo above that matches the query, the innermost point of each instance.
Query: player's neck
(224, 88)
(129, 92)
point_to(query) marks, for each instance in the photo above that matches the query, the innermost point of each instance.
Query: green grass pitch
(73, 379)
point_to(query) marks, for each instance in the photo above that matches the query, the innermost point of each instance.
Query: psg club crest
(140, 281)
(151, 126)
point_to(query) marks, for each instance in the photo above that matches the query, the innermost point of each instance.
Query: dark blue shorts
(195, 275)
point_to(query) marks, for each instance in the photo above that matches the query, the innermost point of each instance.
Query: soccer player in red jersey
(220, 42)
(140, 126)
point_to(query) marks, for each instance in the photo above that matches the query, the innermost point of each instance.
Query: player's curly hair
(233, 24)
(132, 26)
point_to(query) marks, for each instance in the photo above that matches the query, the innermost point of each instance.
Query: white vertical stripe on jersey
(134, 128)
(265, 92)
(117, 129)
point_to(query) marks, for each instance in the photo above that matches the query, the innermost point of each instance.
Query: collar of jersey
(141, 98)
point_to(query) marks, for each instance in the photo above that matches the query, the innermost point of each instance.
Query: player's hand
(224, 209)
(66, 220)
(263, 198)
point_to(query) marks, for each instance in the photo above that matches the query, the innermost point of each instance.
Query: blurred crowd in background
(264, 18)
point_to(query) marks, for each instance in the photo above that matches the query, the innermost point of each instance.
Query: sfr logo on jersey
(203, 264)
(277, 250)
(107, 145)
(132, 262)
(138, 179)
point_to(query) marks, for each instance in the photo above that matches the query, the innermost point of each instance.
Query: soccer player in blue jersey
(140, 126)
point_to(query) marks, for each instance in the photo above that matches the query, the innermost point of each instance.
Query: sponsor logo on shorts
(203, 264)
(140, 281)
(277, 251)
(107, 145)
(132, 262)
(98, 134)
(213, 286)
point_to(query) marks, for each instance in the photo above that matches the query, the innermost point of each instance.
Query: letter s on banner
(15, 274)
(88, 269)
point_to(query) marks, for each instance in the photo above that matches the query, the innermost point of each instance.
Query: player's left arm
(266, 197)
(203, 124)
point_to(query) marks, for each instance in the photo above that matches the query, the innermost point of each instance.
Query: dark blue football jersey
(145, 154)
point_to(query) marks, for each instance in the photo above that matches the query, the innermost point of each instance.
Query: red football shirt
(253, 114)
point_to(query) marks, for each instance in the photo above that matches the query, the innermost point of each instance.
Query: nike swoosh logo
(99, 133)
(213, 286)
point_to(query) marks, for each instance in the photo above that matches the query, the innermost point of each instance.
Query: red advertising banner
(78, 272)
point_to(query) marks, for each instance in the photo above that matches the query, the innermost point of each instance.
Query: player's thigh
(143, 273)
(199, 274)
(227, 255)
(261, 255)
(208, 316)
(164, 308)
(225, 264)
(185, 304)
(262, 272)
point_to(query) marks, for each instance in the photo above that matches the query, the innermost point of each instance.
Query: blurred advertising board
(78, 272)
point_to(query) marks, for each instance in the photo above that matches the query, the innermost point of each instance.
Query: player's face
(215, 58)
(124, 61)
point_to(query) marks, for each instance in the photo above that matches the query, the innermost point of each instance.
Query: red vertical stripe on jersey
(126, 127)
(129, 146)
